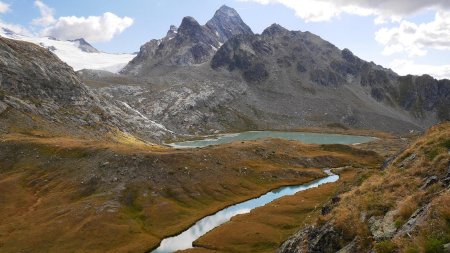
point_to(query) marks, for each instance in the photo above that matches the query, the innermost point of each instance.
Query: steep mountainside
(277, 80)
(38, 92)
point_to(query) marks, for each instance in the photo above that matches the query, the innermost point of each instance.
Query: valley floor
(74, 195)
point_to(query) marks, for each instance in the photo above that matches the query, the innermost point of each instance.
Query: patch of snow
(70, 53)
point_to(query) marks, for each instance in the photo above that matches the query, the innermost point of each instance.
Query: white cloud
(384, 10)
(15, 28)
(46, 17)
(4, 7)
(389, 8)
(414, 39)
(314, 10)
(93, 28)
(405, 67)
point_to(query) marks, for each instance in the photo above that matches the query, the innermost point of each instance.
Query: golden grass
(265, 228)
(399, 188)
(59, 192)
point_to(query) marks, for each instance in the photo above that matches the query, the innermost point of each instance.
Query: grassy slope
(399, 189)
(73, 195)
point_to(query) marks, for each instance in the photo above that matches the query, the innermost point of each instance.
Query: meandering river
(201, 227)
(185, 239)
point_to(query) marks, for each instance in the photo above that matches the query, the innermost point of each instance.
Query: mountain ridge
(190, 44)
(278, 79)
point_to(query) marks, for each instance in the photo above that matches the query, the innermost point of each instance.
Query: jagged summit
(85, 46)
(173, 30)
(274, 29)
(190, 44)
(224, 10)
(190, 28)
(188, 23)
(226, 23)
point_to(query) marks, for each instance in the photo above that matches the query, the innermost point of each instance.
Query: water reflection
(185, 239)
(309, 138)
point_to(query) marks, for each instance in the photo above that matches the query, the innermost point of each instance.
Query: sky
(409, 36)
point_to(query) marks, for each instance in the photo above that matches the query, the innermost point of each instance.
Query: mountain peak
(226, 23)
(188, 22)
(173, 30)
(224, 10)
(85, 46)
(188, 26)
(274, 29)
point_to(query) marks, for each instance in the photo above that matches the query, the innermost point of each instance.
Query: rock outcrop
(323, 238)
(227, 23)
(34, 83)
(85, 46)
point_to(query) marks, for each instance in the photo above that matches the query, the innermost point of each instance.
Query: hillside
(403, 208)
(40, 93)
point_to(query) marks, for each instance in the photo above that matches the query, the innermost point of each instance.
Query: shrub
(432, 153)
(399, 222)
(434, 245)
(385, 247)
(412, 250)
(407, 207)
(446, 144)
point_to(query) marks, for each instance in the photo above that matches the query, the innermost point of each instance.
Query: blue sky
(410, 36)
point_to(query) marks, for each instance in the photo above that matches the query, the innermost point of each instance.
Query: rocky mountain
(279, 79)
(39, 92)
(227, 23)
(190, 44)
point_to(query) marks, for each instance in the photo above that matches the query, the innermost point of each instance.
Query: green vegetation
(386, 247)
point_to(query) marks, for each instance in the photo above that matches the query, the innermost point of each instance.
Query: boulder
(383, 228)
(429, 181)
(323, 238)
(415, 220)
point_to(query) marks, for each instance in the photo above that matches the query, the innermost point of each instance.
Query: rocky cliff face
(227, 23)
(40, 92)
(190, 44)
(304, 57)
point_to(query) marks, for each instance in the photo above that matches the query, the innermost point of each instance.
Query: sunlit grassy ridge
(414, 185)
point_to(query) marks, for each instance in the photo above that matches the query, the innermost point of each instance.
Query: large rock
(323, 238)
(383, 228)
(416, 219)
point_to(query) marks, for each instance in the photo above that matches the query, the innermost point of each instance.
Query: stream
(185, 239)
